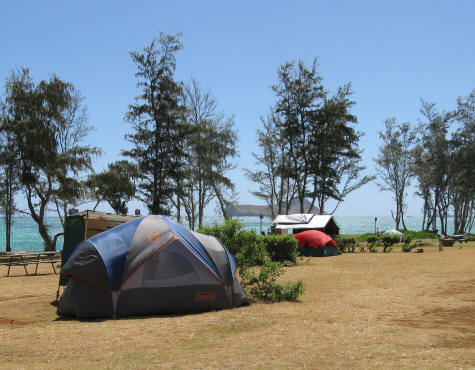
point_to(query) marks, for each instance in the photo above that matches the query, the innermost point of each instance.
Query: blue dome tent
(150, 265)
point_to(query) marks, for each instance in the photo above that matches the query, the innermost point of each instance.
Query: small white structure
(402, 237)
(304, 221)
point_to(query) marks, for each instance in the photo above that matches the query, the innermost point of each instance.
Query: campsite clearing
(360, 310)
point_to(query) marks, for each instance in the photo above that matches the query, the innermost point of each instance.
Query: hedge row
(268, 251)
(410, 234)
(250, 248)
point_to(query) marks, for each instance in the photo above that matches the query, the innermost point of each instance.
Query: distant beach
(25, 235)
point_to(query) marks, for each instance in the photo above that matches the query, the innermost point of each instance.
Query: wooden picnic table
(449, 240)
(460, 238)
(30, 258)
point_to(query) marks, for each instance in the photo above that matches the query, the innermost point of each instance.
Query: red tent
(317, 244)
(314, 238)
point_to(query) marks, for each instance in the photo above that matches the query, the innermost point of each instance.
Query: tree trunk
(221, 201)
(9, 205)
(39, 217)
(178, 209)
(301, 200)
(8, 225)
(200, 203)
(42, 229)
(396, 218)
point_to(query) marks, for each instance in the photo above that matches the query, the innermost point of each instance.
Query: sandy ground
(360, 310)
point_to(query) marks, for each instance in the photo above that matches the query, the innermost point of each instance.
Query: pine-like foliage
(45, 125)
(157, 120)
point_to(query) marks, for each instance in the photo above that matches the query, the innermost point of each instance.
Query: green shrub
(340, 243)
(225, 232)
(423, 244)
(251, 249)
(281, 247)
(246, 246)
(371, 239)
(371, 242)
(470, 237)
(289, 291)
(373, 247)
(364, 237)
(263, 286)
(388, 241)
(346, 244)
(406, 247)
(419, 234)
(408, 233)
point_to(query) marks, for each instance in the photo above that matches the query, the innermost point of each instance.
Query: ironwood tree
(41, 115)
(431, 163)
(210, 147)
(70, 136)
(317, 154)
(300, 94)
(462, 169)
(394, 164)
(157, 120)
(443, 165)
(9, 175)
(116, 185)
(276, 187)
(335, 156)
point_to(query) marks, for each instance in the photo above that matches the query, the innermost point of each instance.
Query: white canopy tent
(402, 237)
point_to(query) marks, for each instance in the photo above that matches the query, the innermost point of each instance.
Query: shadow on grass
(125, 318)
(39, 274)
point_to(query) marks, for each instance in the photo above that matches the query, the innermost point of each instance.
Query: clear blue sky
(393, 53)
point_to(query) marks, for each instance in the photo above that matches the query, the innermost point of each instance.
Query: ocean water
(349, 225)
(25, 236)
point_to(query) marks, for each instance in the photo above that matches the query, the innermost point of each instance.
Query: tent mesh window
(166, 265)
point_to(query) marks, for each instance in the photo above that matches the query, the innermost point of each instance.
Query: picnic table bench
(447, 242)
(460, 238)
(30, 258)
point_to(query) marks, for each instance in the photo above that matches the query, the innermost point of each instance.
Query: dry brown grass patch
(360, 310)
